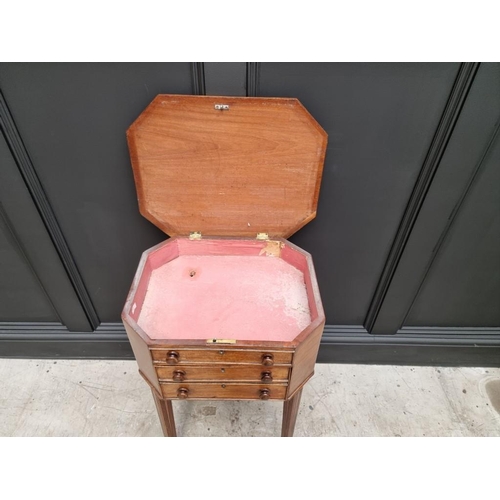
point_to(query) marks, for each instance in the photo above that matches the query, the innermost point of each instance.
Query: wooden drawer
(222, 355)
(223, 391)
(223, 372)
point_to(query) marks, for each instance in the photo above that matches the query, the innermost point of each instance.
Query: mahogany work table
(226, 308)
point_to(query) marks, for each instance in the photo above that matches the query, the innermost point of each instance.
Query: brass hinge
(262, 236)
(195, 235)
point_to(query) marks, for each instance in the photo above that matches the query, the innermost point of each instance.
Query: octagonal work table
(226, 308)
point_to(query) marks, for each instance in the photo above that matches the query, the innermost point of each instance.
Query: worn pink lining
(225, 296)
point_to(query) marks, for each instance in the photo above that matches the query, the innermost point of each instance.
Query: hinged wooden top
(227, 166)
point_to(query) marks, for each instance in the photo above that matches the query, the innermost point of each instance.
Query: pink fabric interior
(293, 257)
(243, 297)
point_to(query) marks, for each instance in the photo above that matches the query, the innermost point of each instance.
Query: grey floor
(109, 398)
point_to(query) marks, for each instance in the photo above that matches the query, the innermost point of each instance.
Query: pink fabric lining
(225, 296)
(297, 260)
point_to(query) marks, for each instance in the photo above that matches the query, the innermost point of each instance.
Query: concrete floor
(109, 398)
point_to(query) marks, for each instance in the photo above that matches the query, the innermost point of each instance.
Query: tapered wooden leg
(290, 410)
(166, 415)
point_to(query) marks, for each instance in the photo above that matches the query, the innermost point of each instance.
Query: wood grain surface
(223, 390)
(221, 355)
(142, 356)
(222, 372)
(305, 357)
(166, 415)
(290, 412)
(255, 167)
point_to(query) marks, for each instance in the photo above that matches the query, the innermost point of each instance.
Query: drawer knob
(267, 359)
(172, 357)
(266, 377)
(265, 394)
(179, 375)
(182, 393)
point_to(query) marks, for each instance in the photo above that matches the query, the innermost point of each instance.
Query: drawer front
(223, 391)
(252, 373)
(203, 356)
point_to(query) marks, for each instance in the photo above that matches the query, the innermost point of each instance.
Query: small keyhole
(192, 273)
(223, 386)
(223, 370)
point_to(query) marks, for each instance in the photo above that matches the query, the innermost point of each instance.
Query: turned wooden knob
(267, 359)
(266, 377)
(265, 394)
(182, 393)
(179, 375)
(172, 357)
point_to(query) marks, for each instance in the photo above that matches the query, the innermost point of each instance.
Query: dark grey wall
(73, 118)
(380, 120)
(21, 295)
(407, 236)
(462, 285)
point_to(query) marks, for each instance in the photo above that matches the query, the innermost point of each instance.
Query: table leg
(290, 410)
(166, 415)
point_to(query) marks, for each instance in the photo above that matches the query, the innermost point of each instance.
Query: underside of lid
(227, 166)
